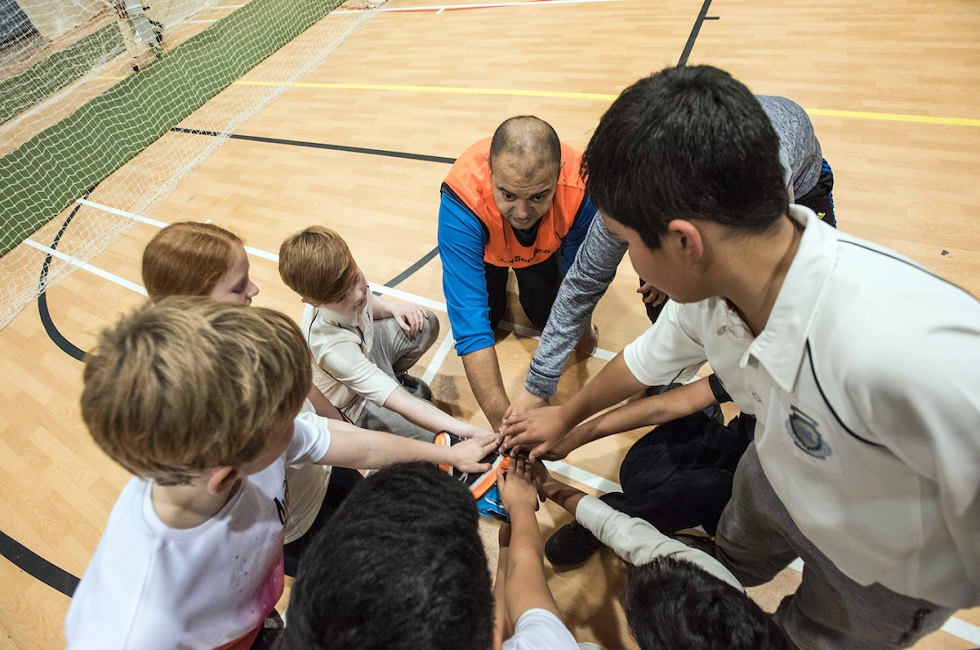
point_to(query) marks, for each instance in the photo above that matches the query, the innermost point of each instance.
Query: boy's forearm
(613, 384)
(420, 412)
(359, 448)
(526, 586)
(564, 495)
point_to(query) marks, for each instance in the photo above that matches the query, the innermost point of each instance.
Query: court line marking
(551, 94)
(954, 626)
(822, 112)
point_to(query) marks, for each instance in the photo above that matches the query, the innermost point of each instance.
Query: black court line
(321, 145)
(694, 33)
(30, 562)
(404, 275)
(54, 334)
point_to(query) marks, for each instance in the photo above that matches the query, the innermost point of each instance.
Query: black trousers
(537, 288)
(680, 474)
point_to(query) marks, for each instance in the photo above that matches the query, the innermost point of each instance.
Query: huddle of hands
(536, 433)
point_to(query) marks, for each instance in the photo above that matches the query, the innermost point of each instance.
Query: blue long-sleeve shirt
(462, 242)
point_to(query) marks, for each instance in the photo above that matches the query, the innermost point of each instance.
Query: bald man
(514, 201)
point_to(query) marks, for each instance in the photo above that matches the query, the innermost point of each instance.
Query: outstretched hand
(468, 454)
(538, 431)
(517, 490)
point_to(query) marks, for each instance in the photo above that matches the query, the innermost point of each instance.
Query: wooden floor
(893, 88)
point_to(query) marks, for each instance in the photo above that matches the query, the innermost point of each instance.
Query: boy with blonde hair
(363, 344)
(197, 398)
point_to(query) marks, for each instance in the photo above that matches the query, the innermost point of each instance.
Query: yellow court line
(823, 112)
(893, 117)
(863, 115)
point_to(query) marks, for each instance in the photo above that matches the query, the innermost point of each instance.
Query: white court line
(437, 359)
(88, 267)
(960, 628)
(582, 476)
(122, 213)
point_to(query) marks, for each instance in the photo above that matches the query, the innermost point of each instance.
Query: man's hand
(539, 430)
(410, 318)
(516, 488)
(524, 402)
(651, 294)
(467, 454)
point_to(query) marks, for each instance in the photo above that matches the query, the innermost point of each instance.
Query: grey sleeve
(586, 282)
(799, 149)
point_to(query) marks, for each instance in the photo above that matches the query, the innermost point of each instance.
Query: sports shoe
(489, 505)
(415, 386)
(482, 486)
(571, 544)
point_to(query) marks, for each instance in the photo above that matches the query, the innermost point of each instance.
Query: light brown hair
(317, 264)
(187, 259)
(190, 383)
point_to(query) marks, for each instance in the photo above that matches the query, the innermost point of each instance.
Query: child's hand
(467, 454)
(410, 318)
(538, 430)
(516, 488)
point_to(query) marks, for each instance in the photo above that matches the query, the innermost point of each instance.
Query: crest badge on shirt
(806, 434)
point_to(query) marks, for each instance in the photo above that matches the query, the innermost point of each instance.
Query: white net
(105, 106)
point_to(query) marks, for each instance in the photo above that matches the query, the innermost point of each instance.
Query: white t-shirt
(866, 386)
(150, 586)
(539, 629)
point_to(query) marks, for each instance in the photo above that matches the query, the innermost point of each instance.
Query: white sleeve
(539, 629)
(638, 542)
(670, 351)
(311, 439)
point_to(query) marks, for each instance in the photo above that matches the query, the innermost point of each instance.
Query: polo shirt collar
(781, 345)
(343, 320)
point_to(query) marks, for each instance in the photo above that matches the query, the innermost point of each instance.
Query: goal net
(94, 101)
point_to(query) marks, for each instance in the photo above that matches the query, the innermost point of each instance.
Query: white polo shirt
(341, 346)
(866, 385)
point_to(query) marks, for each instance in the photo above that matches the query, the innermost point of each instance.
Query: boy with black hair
(865, 454)
(402, 566)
